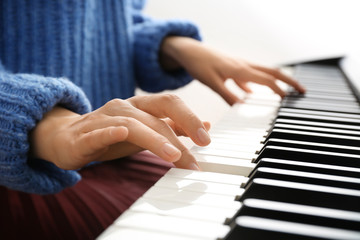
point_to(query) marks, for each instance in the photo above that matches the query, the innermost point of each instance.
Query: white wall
(270, 31)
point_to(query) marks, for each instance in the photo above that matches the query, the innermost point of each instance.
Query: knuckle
(116, 102)
(118, 107)
(272, 80)
(127, 121)
(170, 98)
(163, 126)
(191, 117)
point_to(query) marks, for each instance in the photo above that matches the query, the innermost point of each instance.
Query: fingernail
(194, 166)
(170, 150)
(203, 136)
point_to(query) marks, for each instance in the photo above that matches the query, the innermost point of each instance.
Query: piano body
(276, 169)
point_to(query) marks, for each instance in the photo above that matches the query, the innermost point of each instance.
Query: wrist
(42, 144)
(171, 50)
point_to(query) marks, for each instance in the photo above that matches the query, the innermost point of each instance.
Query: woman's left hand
(213, 68)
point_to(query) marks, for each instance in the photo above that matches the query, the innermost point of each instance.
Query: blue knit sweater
(79, 54)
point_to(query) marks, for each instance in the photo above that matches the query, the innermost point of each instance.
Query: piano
(276, 169)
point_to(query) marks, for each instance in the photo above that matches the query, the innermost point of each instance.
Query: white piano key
(190, 197)
(241, 122)
(244, 135)
(269, 96)
(116, 233)
(226, 165)
(262, 102)
(226, 153)
(172, 225)
(218, 143)
(199, 186)
(239, 125)
(252, 111)
(241, 140)
(232, 129)
(206, 176)
(243, 131)
(183, 210)
(235, 146)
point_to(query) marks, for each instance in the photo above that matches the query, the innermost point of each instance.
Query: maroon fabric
(82, 211)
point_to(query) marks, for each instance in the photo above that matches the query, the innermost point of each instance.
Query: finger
(244, 87)
(179, 131)
(94, 142)
(281, 76)
(227, 95)
(170, 149)
(171, 106)
(264, 79)
(147, 138)
(187, 161)
(119, 150)
(163, 130)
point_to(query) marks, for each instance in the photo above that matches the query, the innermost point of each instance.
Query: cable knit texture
(76, 54)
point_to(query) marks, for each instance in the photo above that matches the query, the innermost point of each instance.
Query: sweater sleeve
(24, 99)
(148, 36)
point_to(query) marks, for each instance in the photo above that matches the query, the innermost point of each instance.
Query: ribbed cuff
(24, 99)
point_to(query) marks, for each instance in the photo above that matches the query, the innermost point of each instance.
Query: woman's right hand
(117, 129)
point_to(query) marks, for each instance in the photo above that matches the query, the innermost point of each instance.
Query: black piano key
(309, 167)
(313, 156)
(323, 99)
(317, 129)
(331, 86)
(314, 137)
(299, 213)
(318, 118)
(322, 95)
(316, 76)
(326, 69)
(318, 106)
(321, 113)
(305, 177)
(320, 77)
(302, 193)
(317, 124)
(322, 102)
(334, 92)
(254, 228)
(312, 146)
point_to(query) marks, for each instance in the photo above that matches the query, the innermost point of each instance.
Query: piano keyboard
(275, 169)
